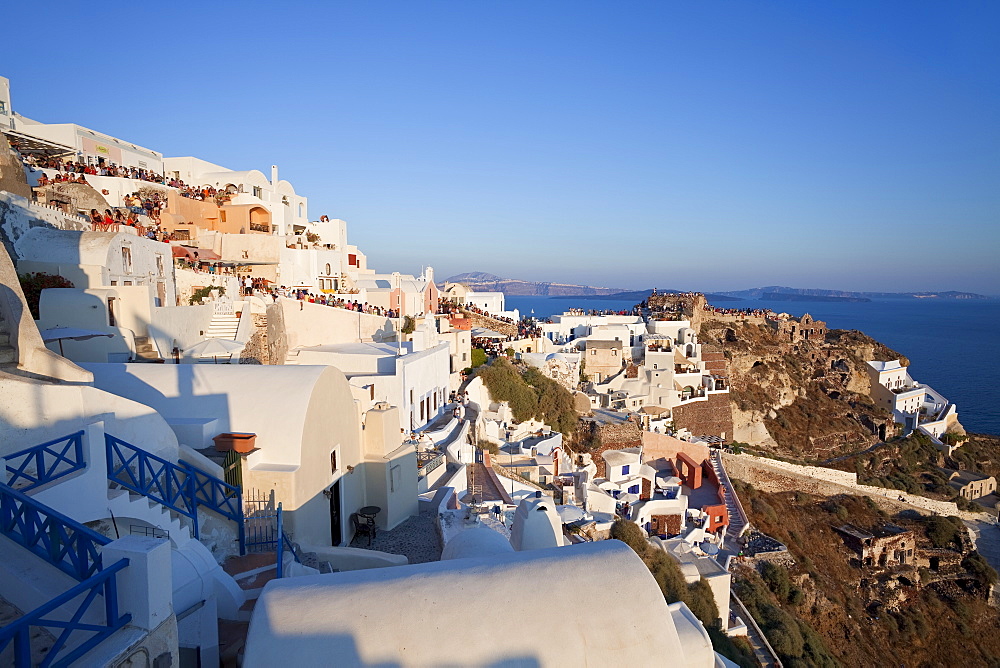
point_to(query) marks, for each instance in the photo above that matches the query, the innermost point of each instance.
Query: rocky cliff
(806, 399)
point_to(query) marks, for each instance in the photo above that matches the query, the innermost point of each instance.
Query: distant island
(485, 282)
(784, 293)
(482, 282)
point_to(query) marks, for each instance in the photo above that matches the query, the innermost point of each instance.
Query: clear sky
(692, 145)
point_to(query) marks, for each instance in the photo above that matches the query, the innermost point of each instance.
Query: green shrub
(32, 285)
(478, 357)
(776, 578)
(206, 291)
(629, 533)
(944, 531)
(975, 564)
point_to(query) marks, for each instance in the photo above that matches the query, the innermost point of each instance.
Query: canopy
(214, 348)
(483, 333)
(204, 254)
(72, 333)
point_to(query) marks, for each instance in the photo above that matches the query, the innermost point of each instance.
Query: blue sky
(696, 145)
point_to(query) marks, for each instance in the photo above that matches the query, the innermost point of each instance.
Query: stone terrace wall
(505, 328)
(706, 418)
(771, 475)
(615, 437)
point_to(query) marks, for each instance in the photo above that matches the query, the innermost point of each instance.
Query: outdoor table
(369, 513)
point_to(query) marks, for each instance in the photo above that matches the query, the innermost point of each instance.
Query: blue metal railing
(19, 632)
(178, 486)
(64, 543)
(40, 464)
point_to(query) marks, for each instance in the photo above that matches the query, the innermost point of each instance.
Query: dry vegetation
(827, 609)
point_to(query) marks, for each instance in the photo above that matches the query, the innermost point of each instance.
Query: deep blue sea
(953, 345)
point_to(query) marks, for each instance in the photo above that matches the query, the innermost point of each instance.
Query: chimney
(274, 176)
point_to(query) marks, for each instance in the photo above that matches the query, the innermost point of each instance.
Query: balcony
(260, 227)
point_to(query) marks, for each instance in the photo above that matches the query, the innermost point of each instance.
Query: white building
(287, 209)
(73, 141)
(365, 618)
(912, 404)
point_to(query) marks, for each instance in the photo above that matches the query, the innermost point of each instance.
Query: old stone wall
(12, 177)
(505, 328)
(771, 475)
(277, 337)
(615, 437)
(706, 418)
(715, 360)
(256, 350)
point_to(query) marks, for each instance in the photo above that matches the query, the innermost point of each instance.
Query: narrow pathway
(479, 477)
(761, 649)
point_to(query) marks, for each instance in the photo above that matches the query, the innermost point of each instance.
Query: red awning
(204, 255)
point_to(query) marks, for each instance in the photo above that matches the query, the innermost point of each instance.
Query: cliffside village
(227, 439)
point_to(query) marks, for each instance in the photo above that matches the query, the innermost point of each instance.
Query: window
(127, 260)
(395, 478)
(625, 469)
(327, 269)
(258, 192)
(333, 462)
(352, 260)
(634, 489)
(159, 265)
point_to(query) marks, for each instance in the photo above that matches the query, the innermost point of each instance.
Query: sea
(953, 344)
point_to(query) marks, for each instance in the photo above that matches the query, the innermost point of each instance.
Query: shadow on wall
(186, 404)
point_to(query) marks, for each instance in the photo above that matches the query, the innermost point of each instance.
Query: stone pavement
(416, 539)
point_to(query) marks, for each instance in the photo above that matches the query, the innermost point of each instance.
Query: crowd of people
(755, 312)
(151, 205)
(205, 266)
(106, 169)
(605, 311)
(112, 219)
(331, 300)
(492, 347)
(43, 180)
(447, 307)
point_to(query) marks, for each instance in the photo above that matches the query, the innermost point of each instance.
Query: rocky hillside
(825, 608)
(805, 399)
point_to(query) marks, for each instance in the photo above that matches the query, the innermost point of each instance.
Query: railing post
(281, 543)
(190, 484)
(241, 522)
(22, 648)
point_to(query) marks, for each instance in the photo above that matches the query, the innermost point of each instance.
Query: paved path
(416, 539)
(478, 475)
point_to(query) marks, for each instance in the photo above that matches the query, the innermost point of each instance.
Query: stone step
(8, 355)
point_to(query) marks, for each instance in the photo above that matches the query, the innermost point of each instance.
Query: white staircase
(223, 326)
(126, 504)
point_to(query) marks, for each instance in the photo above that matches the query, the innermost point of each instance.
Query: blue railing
(178, 486)
(64, 543)
(19, 632)
(40, 464)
